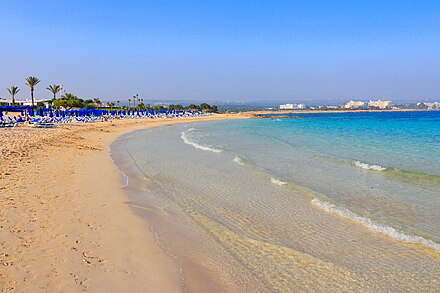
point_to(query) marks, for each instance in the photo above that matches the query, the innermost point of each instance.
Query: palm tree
(13, 90)
(54, 89)
(31, 82)
(129, 100)
(97, 102)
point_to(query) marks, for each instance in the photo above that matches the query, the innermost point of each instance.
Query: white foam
(196, 145)
(238, 160)
(126, 179)
(368, 166)
(371, 225)
(277, 182)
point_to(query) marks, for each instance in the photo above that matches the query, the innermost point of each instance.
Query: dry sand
(64, 224)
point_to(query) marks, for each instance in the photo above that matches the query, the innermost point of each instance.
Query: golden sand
(64, 224)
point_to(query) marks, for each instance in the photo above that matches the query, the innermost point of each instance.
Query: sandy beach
(64, 223)
(226, 147)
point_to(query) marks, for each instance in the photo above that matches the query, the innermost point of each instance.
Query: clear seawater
(313, 201)
(384, 166)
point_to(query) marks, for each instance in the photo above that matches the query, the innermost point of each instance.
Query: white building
(28, 102)
(379, 104)
(292, 107)
(435, 105)
(354, 105)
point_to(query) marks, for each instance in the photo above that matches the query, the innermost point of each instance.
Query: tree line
(69, 100)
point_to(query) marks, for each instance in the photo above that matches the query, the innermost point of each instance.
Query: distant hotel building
(435, 105)
(26, 102)
(354, 105)
(371, 104)
(379, 104)
(429, 106)
(292, 107)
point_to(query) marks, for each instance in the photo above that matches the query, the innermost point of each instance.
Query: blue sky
(225, 50)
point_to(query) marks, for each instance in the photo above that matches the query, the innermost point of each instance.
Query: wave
(238, 160)
(407, 176)
(277, 182)
(371, 225)
(368, 166)
(415, 177)
(196, 145)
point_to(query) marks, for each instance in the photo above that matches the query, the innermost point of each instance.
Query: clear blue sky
(228, 50)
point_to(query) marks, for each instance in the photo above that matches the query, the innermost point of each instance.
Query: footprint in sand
(93, 227)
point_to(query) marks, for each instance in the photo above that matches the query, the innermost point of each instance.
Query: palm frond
(54, 88)
(32, 81)
(13, 90)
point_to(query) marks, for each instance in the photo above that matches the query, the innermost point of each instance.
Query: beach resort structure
(434, 105)
(379, 104)
(292, 107)
(26, 102)
(354, 105)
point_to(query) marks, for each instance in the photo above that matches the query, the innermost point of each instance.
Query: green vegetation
(54, 89)
(69, 101)
(203, 107)
(141, 106)
(31, 82)
(13, 90)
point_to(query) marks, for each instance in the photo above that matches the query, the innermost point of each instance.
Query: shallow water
(263, 205)
(382, 166)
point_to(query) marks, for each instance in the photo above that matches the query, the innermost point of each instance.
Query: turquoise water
(381, 166)
(332, 201)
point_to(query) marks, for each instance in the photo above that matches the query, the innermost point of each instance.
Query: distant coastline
(277, 113)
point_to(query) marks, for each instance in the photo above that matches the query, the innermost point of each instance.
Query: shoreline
(65, 226)
(190, 245)
(344, 244)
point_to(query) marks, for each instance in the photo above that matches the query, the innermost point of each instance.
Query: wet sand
(64, 221)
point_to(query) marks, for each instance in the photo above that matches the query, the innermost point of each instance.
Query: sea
(299, 202)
